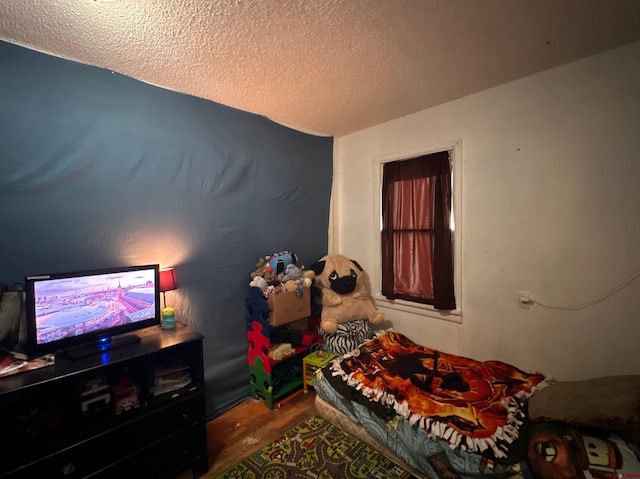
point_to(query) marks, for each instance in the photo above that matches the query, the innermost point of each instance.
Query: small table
(311, 363)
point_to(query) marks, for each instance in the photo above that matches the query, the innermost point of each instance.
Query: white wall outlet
(524, 299)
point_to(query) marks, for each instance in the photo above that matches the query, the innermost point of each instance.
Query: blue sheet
(433, 457)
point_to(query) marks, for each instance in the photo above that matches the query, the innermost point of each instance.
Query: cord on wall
(630, 279)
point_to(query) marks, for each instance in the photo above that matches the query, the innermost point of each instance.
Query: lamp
(168, 282)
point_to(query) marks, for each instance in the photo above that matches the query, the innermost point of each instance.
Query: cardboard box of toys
(288, 306)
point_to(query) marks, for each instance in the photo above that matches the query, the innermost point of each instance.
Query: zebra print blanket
(348, 337)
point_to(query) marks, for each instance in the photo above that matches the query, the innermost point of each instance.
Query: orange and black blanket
(475, 406)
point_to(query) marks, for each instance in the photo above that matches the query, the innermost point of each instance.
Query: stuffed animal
(261, 270)
(345, 296)
(277, 262)
(259, 282)
(272, 266)
(291, 271)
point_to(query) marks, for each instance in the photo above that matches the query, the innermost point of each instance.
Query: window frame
(455, 149)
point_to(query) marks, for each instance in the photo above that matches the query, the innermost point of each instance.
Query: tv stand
(102, 345)
(109, 415)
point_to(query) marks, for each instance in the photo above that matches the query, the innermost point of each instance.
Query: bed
(447, 416)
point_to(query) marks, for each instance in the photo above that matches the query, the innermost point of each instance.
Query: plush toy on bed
(345, 296)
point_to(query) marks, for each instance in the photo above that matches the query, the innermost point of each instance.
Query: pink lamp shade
(168, 280)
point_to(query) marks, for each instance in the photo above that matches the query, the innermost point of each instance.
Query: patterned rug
(317, 449)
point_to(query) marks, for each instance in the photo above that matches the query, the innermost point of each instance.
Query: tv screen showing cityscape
(87, 304)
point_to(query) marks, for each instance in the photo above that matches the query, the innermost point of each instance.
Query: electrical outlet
(524, 299)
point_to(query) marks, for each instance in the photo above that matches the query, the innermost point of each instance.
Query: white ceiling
(329, 67)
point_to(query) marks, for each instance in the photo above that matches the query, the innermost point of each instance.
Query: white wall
(550, 204)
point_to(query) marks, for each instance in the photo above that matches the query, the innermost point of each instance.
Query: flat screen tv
(86, 312)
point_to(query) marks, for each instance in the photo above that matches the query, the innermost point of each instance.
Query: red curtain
(417, 246)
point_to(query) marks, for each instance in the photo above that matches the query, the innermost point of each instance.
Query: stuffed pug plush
(345, 296)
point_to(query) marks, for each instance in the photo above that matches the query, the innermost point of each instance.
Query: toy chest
(288, 306)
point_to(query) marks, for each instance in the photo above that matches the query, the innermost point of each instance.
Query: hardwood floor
(247, 427)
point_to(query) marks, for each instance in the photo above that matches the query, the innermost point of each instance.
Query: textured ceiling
(329, 67)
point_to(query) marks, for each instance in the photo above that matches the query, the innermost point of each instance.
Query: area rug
(317, 449)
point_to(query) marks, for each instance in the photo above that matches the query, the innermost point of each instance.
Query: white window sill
(454, 316)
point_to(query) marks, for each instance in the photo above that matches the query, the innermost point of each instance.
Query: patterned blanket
(475, 406)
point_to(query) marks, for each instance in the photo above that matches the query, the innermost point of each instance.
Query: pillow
(611, 402)
(347, 337)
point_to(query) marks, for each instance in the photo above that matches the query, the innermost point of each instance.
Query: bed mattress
(341, 420)
(430, 458)
(540, 450)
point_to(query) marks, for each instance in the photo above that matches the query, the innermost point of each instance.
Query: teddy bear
(273, 267)
(345, 296)
(261, 270)
(300, 276)
(259, 282)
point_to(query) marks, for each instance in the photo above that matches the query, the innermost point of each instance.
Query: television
(85, 312)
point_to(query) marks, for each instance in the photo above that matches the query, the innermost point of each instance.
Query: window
(419, 262)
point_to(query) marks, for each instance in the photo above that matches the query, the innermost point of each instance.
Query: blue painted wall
(100, 170)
